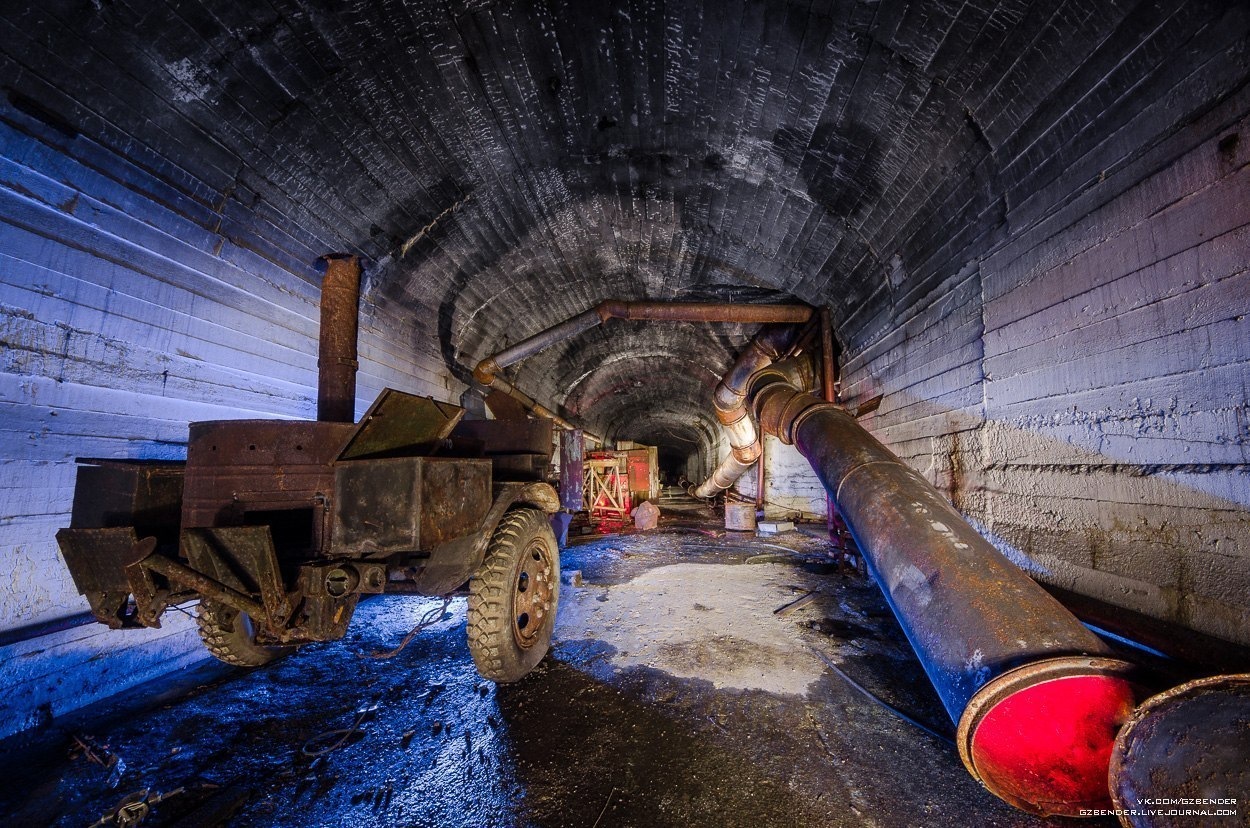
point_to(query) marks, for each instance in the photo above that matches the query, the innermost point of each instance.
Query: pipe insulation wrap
(771, 343)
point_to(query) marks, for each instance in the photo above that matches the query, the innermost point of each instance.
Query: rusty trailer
(279, 528)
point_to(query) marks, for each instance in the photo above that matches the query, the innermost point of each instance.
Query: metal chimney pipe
(336, 356)
(1037, 696)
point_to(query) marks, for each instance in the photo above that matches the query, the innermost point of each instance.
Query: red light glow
(1047, 748)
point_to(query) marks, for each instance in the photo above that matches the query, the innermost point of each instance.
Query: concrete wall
(1080, 389)
(790, 485)
(134, 299)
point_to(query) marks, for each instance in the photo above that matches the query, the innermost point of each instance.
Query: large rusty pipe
(1037, 697)
(336, 356)
(702, 312)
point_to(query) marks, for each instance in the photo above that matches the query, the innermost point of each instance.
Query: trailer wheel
(230, 636)
(513, 597)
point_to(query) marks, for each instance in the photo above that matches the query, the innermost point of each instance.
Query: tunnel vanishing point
(1013, 237)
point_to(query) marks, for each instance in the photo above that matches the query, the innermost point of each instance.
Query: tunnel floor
(674, 695)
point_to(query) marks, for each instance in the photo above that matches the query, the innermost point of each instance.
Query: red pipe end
(1040, 737)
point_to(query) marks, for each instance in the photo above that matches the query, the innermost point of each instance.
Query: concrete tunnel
(1026, 224)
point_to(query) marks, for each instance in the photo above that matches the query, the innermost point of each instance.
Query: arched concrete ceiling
(505, 165)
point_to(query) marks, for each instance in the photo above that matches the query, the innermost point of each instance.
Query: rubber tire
(228, 635)
(492, 593)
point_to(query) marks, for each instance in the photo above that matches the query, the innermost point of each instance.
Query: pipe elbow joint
(612, 309)
(781, 409)
(775, 341)
(726, 399)
(485, 372)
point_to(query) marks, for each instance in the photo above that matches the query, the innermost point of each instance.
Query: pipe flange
(746, 455)
(727, 398)
(1189, 741)
(812, 408)
(1009, 705)
(795, 407)
(781, 410)
(731, 416)
(769, 403)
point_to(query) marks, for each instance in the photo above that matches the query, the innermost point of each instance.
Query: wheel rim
(532, 593)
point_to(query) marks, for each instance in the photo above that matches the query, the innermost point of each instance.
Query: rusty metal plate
(265, 442)
(504, 407)
(1185, 750)
(455, 496)
(404, 504)
(240, 466)
(97, 558)
(242, 558)
(375, 507)
(400, 422)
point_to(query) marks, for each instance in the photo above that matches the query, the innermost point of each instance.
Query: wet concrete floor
(674, 695)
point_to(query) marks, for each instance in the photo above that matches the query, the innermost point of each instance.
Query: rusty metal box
(404, 504)
(240, 466)
(145, 494)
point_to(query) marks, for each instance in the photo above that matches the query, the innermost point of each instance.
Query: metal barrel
(1037, 696)
(1186, 747)
(740, 517)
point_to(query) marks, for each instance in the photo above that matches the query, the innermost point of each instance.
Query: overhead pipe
(1037, 697)
(702, 312)
(488, 368)
(340, 323)
(487, 371)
